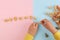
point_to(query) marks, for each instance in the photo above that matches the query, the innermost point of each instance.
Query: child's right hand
(47, 24)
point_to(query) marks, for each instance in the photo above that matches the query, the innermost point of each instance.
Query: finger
(36, 25)
(32, 24)
(44, 22)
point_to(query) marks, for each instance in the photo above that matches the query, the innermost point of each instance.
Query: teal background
(40, 8)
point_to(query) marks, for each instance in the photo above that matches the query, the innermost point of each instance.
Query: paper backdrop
(40, 9)
(14, 30)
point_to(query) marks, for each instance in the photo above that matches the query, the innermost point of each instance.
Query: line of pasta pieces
(19, 18)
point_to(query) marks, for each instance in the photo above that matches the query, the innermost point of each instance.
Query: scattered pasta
(56, 14)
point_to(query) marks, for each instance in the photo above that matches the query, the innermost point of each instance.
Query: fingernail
(36, 24)
(44, 22)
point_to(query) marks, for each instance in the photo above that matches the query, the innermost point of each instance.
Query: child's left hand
(33, 29)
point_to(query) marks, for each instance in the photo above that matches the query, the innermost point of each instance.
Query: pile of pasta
(55, 15)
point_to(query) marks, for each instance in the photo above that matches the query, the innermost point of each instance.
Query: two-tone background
(16, 30)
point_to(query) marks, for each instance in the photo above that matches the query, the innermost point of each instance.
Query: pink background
(14, 30)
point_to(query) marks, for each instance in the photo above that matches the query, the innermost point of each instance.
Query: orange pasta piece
(6, 20)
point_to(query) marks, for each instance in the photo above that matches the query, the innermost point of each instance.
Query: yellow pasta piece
(51, 14)
(31, 17)
(54, 13)
(15, 18)
(25, 17)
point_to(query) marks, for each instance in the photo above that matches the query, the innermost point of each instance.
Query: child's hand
(33, 29)
(47, 24)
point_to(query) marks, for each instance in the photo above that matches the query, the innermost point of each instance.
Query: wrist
(52, 29)
(31, 33)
